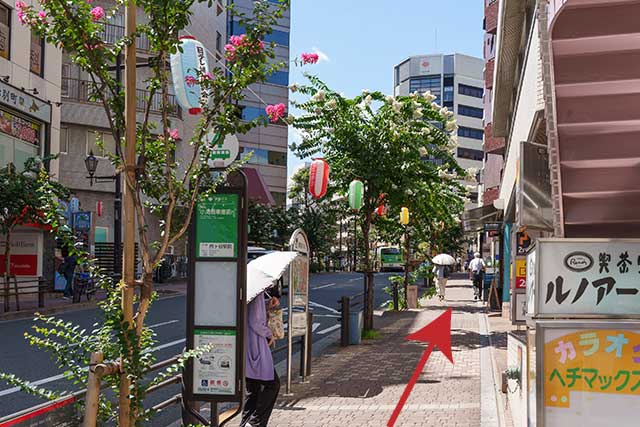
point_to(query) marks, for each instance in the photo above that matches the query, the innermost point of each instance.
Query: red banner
(21, 265)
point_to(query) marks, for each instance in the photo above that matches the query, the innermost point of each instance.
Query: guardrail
(346, 305)
(23, 287)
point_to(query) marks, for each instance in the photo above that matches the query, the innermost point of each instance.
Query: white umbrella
(262, 272)
(443, 259)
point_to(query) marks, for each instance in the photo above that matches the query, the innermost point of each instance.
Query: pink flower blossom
(207, 76)
(91, 46)
(20, 5)
(191, 81)
(173, 134)
(238, 40)
(97, 13)
(43, 16)
(275, 112)
(22, 17)
(309, 58)
(230, 52)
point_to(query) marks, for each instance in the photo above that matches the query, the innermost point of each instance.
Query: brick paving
(360, 385)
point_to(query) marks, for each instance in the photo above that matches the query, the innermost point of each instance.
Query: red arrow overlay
(436, 333)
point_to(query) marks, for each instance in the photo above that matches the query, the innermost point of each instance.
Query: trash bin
(356, 321)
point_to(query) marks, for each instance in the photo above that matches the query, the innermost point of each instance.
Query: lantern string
(222, 63)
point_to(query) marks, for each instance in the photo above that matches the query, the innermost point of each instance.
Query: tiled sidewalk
(360, 385)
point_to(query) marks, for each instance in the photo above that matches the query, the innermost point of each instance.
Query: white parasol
(443, 259)
(264, 271)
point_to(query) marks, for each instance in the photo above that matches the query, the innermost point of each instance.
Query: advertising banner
(591, 375)
(25, 250)
(215, 372)
(221, 240)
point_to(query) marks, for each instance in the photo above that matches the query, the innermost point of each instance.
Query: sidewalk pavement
(54, 303)
(361, 385)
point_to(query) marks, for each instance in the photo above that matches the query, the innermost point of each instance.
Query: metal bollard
(41, 289)
(344, 330)
(309, 343)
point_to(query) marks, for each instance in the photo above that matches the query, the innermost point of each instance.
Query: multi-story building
(29, 124)
(269, 144)
(456, 81)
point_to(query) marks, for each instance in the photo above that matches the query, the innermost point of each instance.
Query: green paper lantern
(356, 192)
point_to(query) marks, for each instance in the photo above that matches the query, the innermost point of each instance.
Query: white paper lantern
(188, 65)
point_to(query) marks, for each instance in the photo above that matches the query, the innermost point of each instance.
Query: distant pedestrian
(477, 268)
(442, 275)
(458, 264)
(263, 383)
(67, 269)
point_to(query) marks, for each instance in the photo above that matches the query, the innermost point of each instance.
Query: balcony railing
(81, 91)
(112, 33)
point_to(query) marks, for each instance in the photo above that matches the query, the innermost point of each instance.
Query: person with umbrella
(442, 269)
(262, 381)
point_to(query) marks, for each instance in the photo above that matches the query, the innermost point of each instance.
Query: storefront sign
(523, 242)
(519, 308)
(25, 103)
(521, 273)
(25, 249)
(20, 128)
(214, 372)
(587, 277)
(220, 241)
(591, 375)
(82, 221)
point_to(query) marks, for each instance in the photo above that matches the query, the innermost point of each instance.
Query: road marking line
(335, 316)
(315, 326)
(169, 322)
(325, 286)
(326, 331)
(61, 376)
(315, 304)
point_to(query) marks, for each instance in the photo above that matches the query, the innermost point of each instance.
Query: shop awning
(474, 219)
(258, 190)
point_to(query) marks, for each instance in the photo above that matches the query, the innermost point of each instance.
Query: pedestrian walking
(262, 382)
(67, 269)
(477, 268)
(442, 275)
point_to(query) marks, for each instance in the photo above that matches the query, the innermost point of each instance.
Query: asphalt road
(167, 318)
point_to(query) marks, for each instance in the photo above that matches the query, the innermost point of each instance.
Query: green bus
(389, 258)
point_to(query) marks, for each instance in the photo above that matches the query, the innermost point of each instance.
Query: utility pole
(117, 202)
(124, 415)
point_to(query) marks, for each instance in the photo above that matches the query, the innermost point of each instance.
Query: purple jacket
(259, 359)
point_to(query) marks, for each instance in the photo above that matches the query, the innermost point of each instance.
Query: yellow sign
(591, 361)
(521, 273)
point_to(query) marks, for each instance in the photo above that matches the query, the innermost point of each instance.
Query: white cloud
(321, 55)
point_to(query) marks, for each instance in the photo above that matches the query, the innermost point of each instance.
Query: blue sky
(361, 40)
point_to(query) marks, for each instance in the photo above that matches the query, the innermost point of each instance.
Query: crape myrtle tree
(269, 226)
(162, 185)
(317, 217)
(381, 140)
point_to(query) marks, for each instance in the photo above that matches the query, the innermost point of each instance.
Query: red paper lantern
(381, 210)
(99, 208)
(318, 178)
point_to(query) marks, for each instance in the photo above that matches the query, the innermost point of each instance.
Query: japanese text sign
(586, 277)
(217, 226)
(591, 375)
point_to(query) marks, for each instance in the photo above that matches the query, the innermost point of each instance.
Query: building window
(36, 63)
(279, 197)
(470, 153)
(465, 110)
(447, 96)
(278, 37)
(264, 157)
(64, 140)
(251, 113)
(427, 83)
(5, 31)
(218, 42)
(100, 143)
(279, 78)
(470, 132)
(476, 92)
(277, 158)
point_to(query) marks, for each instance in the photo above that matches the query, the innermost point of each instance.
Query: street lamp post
(91, 163)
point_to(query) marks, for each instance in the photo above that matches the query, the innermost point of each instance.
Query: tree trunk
(369, 279)
(7, 263)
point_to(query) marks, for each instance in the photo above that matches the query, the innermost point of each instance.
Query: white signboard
(531, 281)
(518, 307)
(587, 277)
(214, 372)
(224, 152)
